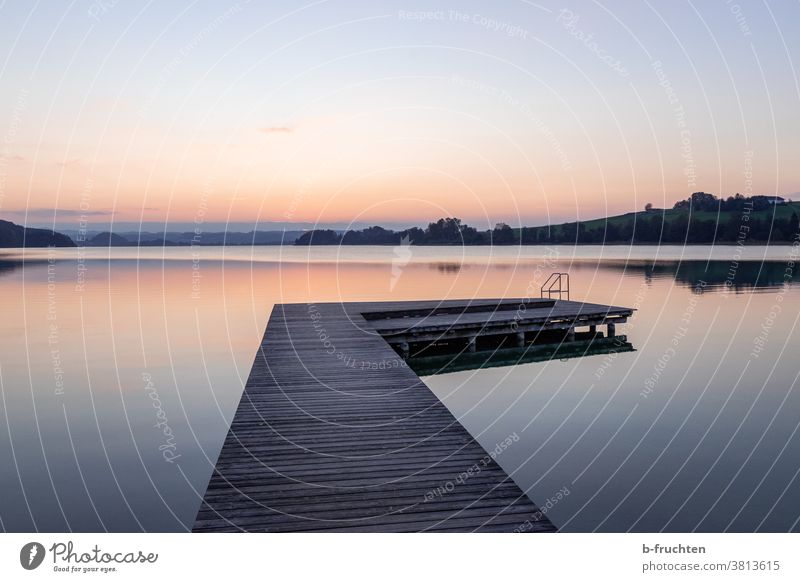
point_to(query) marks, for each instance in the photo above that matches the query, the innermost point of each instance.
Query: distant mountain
(15, 236)
(108, 239)
(133, 238)
(229, 238)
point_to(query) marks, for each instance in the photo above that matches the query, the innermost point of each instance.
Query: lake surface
(120, 371)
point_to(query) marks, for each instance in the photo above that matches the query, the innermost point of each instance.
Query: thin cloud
(69, 163)
(49, 212)
(276, 129)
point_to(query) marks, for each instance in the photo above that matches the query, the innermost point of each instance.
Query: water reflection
(447, 267)
(428, 365)
(712, 446)
(737, 276)
(8, 266)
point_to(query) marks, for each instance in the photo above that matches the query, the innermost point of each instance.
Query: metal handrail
(560, 279)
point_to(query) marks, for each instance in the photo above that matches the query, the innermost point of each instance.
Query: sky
(394, 113)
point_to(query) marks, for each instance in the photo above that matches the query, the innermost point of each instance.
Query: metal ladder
(556, 284)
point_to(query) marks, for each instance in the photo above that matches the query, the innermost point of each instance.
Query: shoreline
(291, 245)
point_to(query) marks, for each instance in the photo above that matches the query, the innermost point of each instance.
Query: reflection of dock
(502, 356)
(334, 432)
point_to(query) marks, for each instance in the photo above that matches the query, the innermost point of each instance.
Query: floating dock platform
(335, 432)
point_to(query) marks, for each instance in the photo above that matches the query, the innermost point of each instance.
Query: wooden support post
(593, 329)
(571, 334)
(612, 329)
(520, 339)
(471, 343)
(404, 350)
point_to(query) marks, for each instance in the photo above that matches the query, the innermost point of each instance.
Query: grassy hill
(670, 215)
(773, 224)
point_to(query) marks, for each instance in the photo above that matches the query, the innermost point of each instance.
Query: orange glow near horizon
(325, 176)
(376, 168)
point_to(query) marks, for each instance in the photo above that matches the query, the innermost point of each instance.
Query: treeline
(705, 202)
(700, 219)
(642, 228)
(445, 231)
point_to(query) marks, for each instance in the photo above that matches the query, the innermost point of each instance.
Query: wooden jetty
(334, 432)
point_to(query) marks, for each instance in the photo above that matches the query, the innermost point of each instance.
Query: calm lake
(120, 372)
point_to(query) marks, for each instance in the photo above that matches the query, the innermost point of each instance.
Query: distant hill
(15, 236)
(108, 239)
(130, 238)
(267, 237)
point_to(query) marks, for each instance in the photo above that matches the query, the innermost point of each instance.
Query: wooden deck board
(335, 433)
